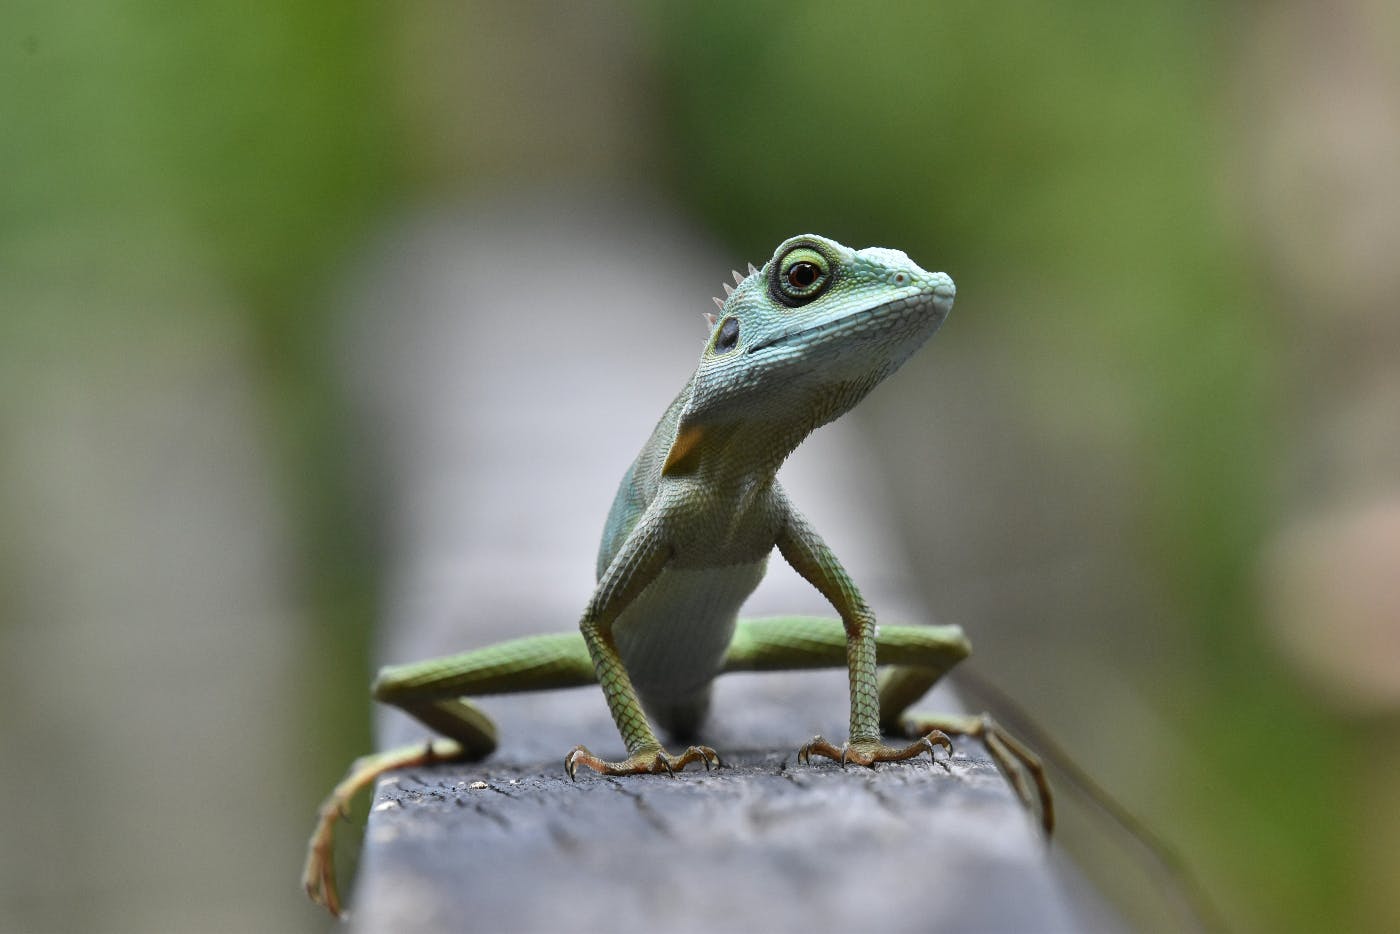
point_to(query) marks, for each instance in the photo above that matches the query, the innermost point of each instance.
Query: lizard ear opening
(727, 338)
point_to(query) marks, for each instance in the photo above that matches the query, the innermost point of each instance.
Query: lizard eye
(800, 275)
(728, 336)
(803, 275)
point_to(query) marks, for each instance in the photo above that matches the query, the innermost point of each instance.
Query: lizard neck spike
(710, 318)
(728, 289)
(752, 271)
(719, 302)
(738, 276)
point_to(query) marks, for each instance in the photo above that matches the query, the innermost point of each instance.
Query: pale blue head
(807, 336)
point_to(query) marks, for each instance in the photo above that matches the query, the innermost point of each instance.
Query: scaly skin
(795, 345)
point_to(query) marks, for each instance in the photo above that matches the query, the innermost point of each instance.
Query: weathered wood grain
(762, 844)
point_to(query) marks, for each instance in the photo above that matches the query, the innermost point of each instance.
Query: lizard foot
(868, 752)
(318, 876)
(643, 762)
(1021, 767)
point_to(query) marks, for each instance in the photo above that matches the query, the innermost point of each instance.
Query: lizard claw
(870, 752)
(927, 742)
(819, 745)
(643, 762)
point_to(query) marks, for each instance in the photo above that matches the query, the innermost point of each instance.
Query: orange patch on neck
(684, 452)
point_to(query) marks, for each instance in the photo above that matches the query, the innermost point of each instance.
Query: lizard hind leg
(1022, 768)
(318, 875)
(433, 692)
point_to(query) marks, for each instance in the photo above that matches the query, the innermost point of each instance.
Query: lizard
(794, 345)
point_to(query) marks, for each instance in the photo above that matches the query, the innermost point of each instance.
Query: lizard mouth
(899, 308)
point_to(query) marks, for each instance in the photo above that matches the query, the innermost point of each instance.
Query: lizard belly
(674, 636)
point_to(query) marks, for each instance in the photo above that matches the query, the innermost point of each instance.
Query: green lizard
(795, 345)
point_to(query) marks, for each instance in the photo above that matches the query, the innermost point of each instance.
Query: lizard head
(800, 341)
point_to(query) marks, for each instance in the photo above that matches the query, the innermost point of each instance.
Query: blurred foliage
(1072, 161)
(250, 137)
(257, 125)
(166, 163)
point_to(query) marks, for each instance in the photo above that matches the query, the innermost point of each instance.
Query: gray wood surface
(507, 366)
(759, 845)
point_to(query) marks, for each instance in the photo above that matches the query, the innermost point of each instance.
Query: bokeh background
(1170, 517)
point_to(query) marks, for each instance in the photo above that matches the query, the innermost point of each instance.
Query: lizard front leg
(804, 549)
(640, 561)
(915, 657)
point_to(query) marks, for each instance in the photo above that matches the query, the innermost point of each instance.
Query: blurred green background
(1173, 531)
